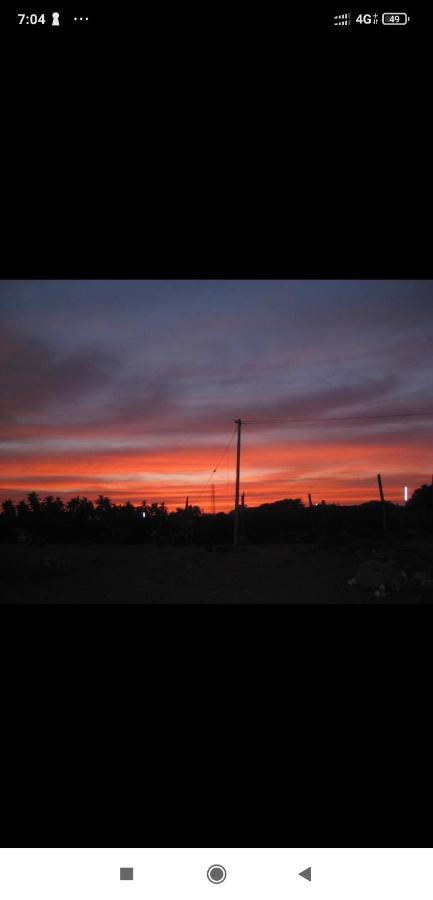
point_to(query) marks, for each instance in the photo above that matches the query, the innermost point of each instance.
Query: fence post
(382, 500)
(238, 469)
(323, 517)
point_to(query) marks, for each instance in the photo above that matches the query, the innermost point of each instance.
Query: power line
(337, 418)
(222, 456)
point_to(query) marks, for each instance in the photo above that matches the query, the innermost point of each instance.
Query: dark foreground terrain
(360, 572)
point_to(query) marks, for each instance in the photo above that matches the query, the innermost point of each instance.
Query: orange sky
(329, 471)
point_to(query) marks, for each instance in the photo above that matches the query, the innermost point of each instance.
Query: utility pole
(238, 468)
(186, 504)
(213, 499)
(382, 501)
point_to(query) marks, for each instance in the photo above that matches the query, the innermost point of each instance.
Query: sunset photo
(211, 401)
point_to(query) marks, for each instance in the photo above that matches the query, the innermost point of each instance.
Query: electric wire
(338, 418)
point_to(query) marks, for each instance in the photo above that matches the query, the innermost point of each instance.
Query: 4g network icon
(367, 19)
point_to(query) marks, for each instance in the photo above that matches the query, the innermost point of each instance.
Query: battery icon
(395, 18)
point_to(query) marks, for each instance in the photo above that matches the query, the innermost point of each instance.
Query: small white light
(405, 495)
(144, 515)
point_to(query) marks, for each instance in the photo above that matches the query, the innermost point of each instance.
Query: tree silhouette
(52, 508)
(128, 511)
(22, 510)
(103, 506)
(79, 520)
(48, 506)
(8, 509)
(87, 508)
(422, 498)
(80, 507)
(157, 509)
(34, 502)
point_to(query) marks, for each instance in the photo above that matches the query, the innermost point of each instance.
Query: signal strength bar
(342, 19)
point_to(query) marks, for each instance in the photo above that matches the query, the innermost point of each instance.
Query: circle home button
(216, 874)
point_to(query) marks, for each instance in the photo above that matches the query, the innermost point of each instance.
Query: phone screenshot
(216, 422)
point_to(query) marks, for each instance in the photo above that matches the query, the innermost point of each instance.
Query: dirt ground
(283, 573)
